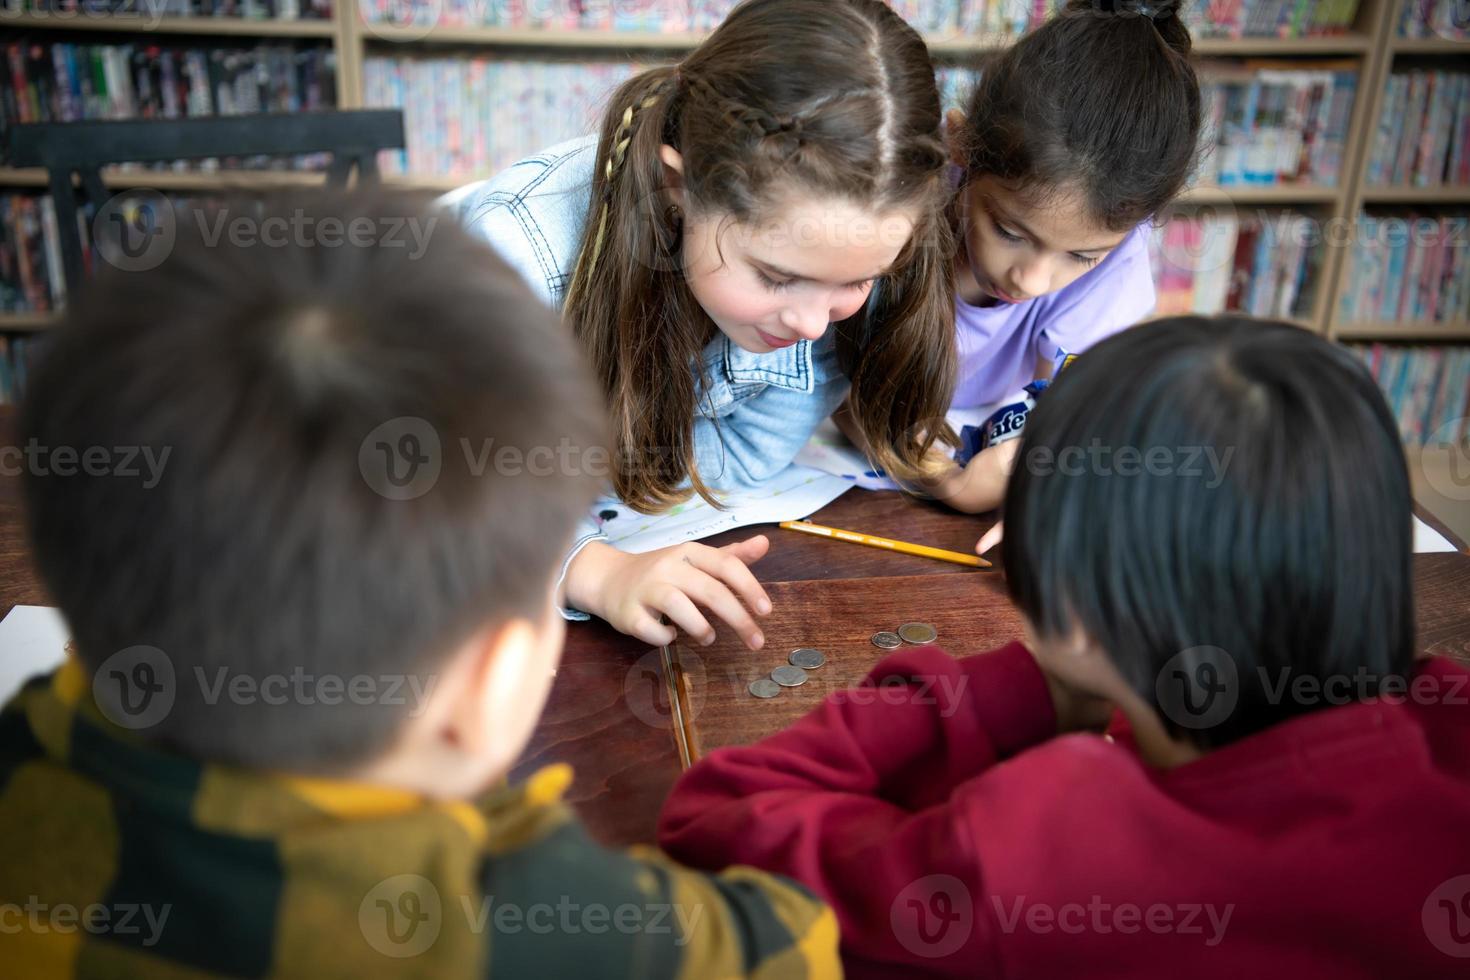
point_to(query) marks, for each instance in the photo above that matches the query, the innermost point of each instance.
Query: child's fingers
(728, 564)
(716, 596)
(651, 631)
(673, 603)
(752, 549)
(990, 538)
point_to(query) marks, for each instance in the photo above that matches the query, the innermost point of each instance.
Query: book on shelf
(1235, 19)
(1434, 18)
(935, 18)
(1410, 268)
(31, 275)
(15, 357)
(66, 82)
(1427, 389)
(1262, 263)
(1422, 135)
(1270, 122)
(470, 117)
(153, 9)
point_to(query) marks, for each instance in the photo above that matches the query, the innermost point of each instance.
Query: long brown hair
(834, 97)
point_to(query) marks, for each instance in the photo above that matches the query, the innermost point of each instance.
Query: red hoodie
(956, 835)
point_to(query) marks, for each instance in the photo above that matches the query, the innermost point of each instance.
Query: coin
(764, 687)
(788, 676)
(887, 640)
(917, 633)
(807, 658)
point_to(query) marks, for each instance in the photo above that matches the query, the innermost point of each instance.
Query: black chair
(353, 137)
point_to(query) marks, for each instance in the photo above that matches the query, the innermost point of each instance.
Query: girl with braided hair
(756, 235)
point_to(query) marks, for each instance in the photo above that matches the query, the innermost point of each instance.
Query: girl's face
(1015, 251)
(771, 283)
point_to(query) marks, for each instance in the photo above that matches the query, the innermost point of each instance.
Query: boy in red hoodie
(1209, 537)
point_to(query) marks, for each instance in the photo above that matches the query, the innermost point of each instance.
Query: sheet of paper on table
(795, 492)
(1427, 539)
(32, 641)
(829, 450)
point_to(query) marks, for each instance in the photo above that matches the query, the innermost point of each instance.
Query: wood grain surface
(610, 714)
(839, 617)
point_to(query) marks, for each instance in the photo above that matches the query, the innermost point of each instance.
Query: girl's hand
(631, 592)
(990, 538)
(981, 485)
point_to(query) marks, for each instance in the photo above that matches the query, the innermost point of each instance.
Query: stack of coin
(792, 674)
(914, 633)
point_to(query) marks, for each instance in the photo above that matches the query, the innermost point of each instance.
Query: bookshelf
(1371, 45)
(143, 24)
(1378, 330)
(1359, 192)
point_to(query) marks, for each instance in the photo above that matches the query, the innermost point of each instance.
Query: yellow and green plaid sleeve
(571, 906)
(120, 859)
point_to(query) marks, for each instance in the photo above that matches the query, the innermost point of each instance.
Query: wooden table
(611, 715)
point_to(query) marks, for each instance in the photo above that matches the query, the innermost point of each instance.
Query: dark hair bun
(1164, 14)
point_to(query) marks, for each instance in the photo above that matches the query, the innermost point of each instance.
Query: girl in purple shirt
(1075, 137)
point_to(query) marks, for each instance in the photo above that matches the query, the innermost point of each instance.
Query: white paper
(1427, 539)
(795, 492)
(32, 641)
(830, 451)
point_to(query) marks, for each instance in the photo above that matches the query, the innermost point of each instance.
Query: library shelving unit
(1371, 44)
(1389, 49)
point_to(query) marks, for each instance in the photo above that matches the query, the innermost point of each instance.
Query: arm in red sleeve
(838, 801)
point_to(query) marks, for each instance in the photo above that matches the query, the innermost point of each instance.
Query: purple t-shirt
(1000, 345)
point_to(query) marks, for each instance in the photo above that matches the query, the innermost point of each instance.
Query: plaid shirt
(118, 859)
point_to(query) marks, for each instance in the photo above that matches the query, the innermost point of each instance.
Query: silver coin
(917, 633)
(764, 687)
(887, 640)
(788, 676)
(807, 658)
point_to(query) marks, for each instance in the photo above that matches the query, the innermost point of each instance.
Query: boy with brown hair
(310, 649)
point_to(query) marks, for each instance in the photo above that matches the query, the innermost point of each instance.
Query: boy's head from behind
(1219, 508)
(367, 462)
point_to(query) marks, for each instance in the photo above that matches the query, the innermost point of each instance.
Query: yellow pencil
(923, 550)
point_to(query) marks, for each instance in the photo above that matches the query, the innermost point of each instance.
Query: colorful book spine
(1262, 263)
(1422, 136)
(936, 18)
(69, 82)
(468, 118)
(1408, 268)
(1265, 125)
(1434, 18)
(1427, 389)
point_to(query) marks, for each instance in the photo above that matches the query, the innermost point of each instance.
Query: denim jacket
(758, 410)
